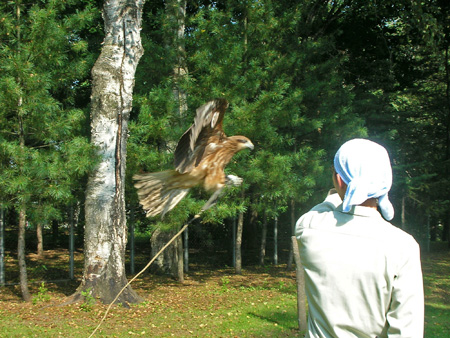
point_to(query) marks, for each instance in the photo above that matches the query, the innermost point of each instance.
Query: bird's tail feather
(156, 193)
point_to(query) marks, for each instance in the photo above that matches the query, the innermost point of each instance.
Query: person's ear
(339, 185)
(340, 182)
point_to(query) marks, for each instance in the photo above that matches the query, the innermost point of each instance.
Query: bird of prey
(200, 158)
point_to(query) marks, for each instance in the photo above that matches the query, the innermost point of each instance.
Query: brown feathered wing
(207, 129)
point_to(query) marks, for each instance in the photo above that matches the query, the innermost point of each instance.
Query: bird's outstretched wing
(207, 129)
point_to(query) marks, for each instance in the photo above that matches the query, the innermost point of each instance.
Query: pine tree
(396, 54)
(286, 94)
(42, 150)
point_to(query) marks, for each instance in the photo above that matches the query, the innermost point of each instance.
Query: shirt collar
(358, 210)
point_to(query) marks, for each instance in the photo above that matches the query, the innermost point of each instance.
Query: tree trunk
(275, 241)
(291, 249)
(71, 243)
(132, 241)
(40, 240)
(447, 233)
(262, 252)
(21, 255)
(403, 214)
(22, 206)
(186, 250)
(55, 232)
(2, 247)
(112, 90)
(170, 262)
(240, 227)
(447, 75)
(176, 17)
(180, 259)
(233, 246)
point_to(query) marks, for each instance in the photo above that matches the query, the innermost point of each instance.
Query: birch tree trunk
(178, 14)
(113, 82)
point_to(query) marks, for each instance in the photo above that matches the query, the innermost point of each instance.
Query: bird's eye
(242, 140)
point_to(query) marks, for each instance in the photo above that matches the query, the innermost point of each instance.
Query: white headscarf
(366, 169)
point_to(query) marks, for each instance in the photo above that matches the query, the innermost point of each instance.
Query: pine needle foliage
(44, 62)
(285, 92)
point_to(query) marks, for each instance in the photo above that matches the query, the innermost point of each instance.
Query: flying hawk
(200, 158)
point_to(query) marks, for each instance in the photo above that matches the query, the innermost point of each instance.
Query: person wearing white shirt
(363, 275)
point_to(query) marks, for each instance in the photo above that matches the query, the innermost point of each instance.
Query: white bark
(113, 83)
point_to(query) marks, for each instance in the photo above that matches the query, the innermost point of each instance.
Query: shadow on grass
(281, 321)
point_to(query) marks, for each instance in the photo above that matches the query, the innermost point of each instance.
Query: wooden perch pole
(301, 296)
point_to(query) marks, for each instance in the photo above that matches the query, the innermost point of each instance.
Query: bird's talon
(234, 180)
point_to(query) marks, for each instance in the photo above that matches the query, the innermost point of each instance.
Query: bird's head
(243, 143)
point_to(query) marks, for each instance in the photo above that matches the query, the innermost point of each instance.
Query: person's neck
(370, 203)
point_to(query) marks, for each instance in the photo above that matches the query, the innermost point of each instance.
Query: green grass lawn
(211, 303)
(436, 271)
(260, 303)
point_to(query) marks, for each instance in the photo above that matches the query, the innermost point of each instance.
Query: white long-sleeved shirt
(363, 275)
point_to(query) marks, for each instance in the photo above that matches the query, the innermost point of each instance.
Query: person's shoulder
(329, 204)
(321, 210)
(400, 237)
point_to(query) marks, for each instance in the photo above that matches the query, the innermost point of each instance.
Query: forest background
(301, 77)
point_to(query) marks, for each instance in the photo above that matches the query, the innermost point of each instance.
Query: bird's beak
(250, 145)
